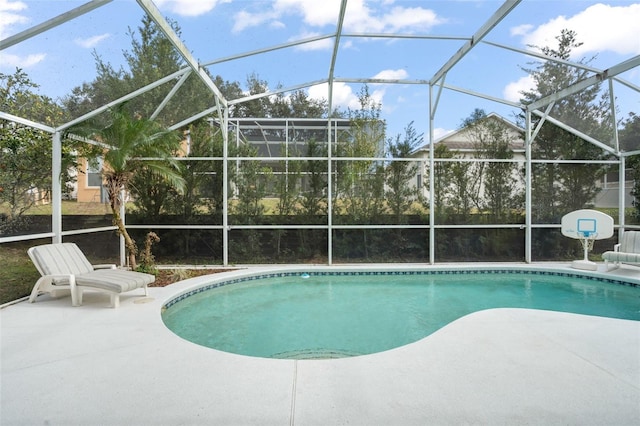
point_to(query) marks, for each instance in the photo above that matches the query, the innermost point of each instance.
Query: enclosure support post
(329, 192)
(56, 187)
(123, 247)
(432, 238)
(225, 186)
(622, 193)
(614, 118)
(527, 215)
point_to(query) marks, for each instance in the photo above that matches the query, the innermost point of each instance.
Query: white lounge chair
(65, 268)
(627, 251)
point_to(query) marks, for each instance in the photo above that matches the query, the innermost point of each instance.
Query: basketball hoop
(587, 239)
(587, 226)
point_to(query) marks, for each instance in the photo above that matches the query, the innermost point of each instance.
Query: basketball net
(587, 239)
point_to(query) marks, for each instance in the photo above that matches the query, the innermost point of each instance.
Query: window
(94, 178)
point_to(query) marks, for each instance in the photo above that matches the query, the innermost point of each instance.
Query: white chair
(65, 268)
(627, 251)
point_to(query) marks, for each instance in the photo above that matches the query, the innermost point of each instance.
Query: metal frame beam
(331, 75)
(150, 8)
(334, 53)
(495, 19)
(267, 49)
(51, 23)
(26, 122)
(124, 98)
(576, 132)
(171, 94)
(587, 82)
(274, 92)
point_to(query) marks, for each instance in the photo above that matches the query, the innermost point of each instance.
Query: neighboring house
(610, 186)
(462, 143)
(89, 187)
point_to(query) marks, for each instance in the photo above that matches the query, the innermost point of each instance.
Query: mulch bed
(165, 277)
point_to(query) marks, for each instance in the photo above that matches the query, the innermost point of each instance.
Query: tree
(358, 182)
(400, 193)
(558, 188)
(297, 104)
(203, 190)
(127, 139)
(25, 152)
(634, 164)
(313, 198)
(442, 180)
(152, 57)
(251, 181)
(464, 187)
(260, 107)
(629, 138)
(491, 140)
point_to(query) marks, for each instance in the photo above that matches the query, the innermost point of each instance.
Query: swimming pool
(333, 314)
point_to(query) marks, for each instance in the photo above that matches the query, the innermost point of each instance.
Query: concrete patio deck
(92, 365)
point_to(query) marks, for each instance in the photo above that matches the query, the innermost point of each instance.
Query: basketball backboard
(587, 223)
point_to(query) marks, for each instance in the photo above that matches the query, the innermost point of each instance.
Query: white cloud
(377, 96)
(411, 18)
(91, 42)
(359, 17)
(513, 91)
(521, 30)
(398, 74)
(600, 27)
(9, 16)
(439, 132)
(343, 95)
(323, 44)
(314, 13)
(346, 44)
(189, 7)
(15, 61)
(12, 5)
(244, 20)
(275, 24)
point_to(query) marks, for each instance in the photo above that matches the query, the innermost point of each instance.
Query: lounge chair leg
(43, 281)
(614, 265)
(76, 292)
(146, 290)
(115, 300)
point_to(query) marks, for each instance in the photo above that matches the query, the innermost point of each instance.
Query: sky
(62, 58)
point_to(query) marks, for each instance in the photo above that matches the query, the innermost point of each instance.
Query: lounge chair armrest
(48, 284)
(104, 266)
(53, 278)
(616, 247)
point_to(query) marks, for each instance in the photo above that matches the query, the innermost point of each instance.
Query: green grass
(17, 275)
(68, 208)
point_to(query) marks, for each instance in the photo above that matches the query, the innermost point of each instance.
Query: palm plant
(127, 140)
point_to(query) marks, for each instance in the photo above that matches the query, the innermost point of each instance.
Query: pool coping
(199, 284)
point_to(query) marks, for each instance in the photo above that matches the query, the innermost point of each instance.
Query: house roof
(458, 140)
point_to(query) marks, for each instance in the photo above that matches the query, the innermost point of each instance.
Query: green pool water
(331, 316)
